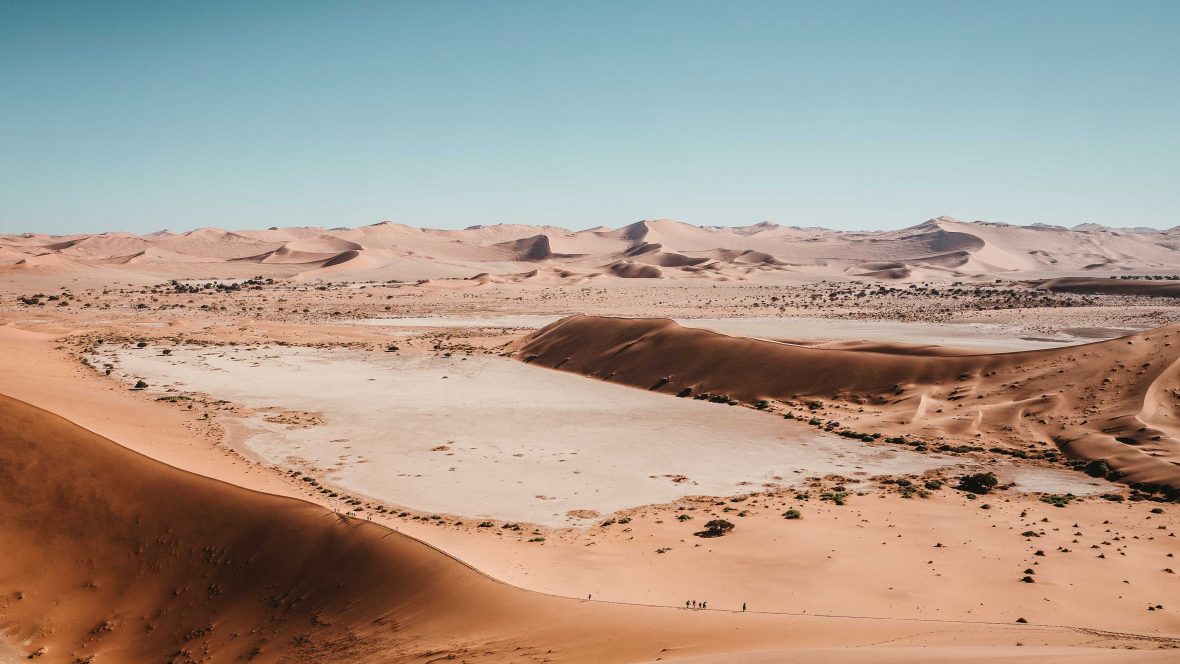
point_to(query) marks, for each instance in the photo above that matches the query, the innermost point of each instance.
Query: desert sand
(941, 248)
(297, 481)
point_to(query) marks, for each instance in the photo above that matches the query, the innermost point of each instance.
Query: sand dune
(114, 556)
(214, 243)
(1108, 286)
(1115, 400)
(938, 248)
(111, 556)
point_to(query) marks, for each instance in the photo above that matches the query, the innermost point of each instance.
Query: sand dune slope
(111, 554)
(1117, 400)
(1097, 286)
(113, 557)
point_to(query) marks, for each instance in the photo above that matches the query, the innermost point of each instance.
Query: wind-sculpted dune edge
(111, 555)
(1114, 401)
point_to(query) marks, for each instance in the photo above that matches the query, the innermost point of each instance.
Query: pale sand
(523, 443)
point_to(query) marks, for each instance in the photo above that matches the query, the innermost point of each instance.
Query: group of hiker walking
(688, 603)
(693, 604)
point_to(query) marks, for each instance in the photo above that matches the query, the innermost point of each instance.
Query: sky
(853, 115)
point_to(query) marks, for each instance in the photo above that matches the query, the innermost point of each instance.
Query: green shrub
(837, 497)
(1058, 500)
(978, 483)
(716, 528)
(1097, 468)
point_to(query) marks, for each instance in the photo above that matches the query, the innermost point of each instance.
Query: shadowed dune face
(1097, 286)
(108, 552)
(1115, 400)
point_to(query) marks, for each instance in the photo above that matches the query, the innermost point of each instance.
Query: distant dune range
(660, 249)
(1117, 400)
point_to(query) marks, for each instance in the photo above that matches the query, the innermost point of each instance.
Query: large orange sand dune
(1117, 400)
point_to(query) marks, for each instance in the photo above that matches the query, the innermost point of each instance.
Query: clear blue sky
(141, 116)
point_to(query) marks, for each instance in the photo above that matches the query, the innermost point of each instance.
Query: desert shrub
(762, 404)
(140, 384)
(910, 490)
(1097, 468)
(716, 528)
(837, 497)
(977, 483)
(792, 514)
(1058, 500)
(486, 524)
(685, 392)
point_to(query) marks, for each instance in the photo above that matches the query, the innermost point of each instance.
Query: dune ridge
(651, 249)
(1110, 286)
(1116, 400)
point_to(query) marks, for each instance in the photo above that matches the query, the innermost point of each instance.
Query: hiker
(704, 605)
(743, 607)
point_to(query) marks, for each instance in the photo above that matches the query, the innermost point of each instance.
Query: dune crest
(942, 247)
(1117, 400)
